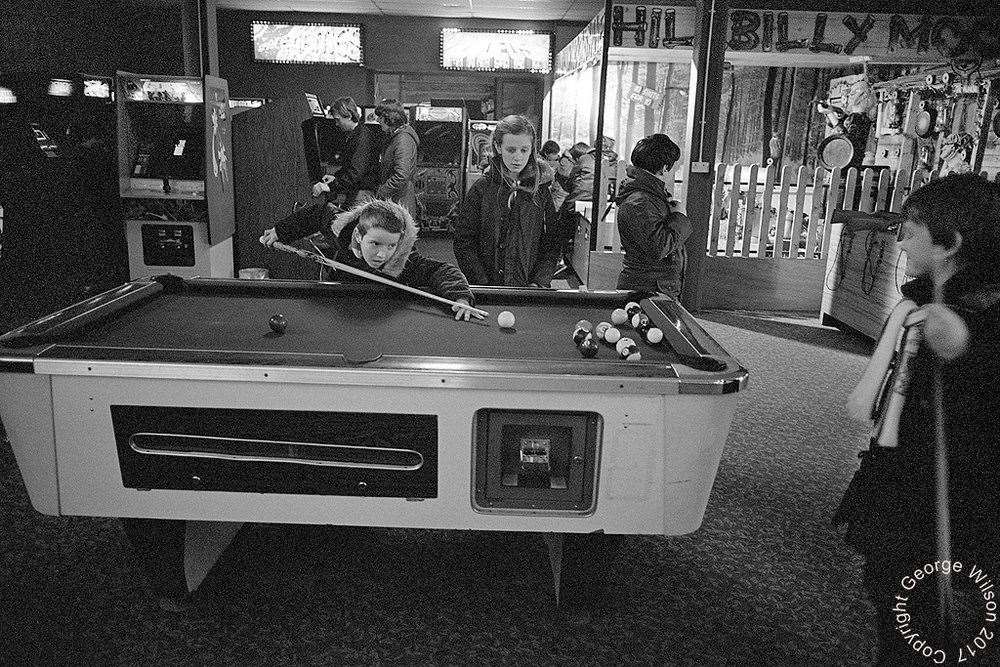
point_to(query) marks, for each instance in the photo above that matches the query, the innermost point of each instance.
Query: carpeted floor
(766, 580)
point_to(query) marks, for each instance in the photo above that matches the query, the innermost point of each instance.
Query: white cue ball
(654, 336)
(612, 335)
(619, 316)
(506, 320)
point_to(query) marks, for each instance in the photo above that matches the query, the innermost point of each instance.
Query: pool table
(172, 399)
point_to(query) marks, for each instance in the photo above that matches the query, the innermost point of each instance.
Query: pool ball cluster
(587, 337)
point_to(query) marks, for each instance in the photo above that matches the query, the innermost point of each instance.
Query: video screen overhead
(307, 43)
(97, 86)
(521, 50)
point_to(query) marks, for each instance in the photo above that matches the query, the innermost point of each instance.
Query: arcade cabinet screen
(308, 43)
(440, 142)
(489, 51)
(60, 88)
(172, 146)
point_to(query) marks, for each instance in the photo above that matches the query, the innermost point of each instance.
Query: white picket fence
(780, 197)
(789, 194)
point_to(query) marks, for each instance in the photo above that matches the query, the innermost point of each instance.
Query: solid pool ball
(654, 335)
(583, 328)
(505, 319)
(277, 323)
(619, 316)
(601, 329)
(612, 336)
(588, 347)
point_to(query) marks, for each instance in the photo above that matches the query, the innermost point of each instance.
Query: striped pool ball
(601, 329)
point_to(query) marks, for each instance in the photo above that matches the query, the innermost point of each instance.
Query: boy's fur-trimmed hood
(395, 264)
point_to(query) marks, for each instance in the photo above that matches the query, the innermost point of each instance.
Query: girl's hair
(346, 107)
(380, 214)
(528, 179)
(393, 113)
(967, 204)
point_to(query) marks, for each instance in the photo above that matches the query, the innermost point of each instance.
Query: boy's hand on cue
(463, 311)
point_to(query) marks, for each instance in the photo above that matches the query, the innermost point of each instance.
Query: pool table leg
(177, 555)
(584, 561)
(554, 543)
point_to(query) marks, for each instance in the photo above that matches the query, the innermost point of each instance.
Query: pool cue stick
(377, 278)
(946, 596)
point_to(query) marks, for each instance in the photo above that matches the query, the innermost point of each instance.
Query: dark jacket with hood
(395, 174)
(652, 235)
(507, 235)
(360, 170)
(406, 265)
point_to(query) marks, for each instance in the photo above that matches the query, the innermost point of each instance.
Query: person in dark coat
(651, 227)
(377, 237)
(358, 177)
(399, 158)
(506, 230)
(947, 325)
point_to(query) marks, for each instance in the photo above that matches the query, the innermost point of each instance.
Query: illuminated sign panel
(311, 43)
(522, 50)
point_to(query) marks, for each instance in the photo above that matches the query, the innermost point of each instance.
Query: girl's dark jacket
(485, 219)
(406, 265)
(891, 505)
(652, 235)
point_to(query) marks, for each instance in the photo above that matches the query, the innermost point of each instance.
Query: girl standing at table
(505, 233)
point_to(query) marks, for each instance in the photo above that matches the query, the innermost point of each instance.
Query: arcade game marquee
(179, 402)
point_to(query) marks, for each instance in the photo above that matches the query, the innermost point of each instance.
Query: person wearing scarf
(506, 232)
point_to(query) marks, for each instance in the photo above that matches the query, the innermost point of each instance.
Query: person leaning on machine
(358, 178)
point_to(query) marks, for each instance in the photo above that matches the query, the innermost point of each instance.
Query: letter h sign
(636, 27)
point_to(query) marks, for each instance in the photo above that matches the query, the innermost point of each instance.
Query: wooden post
(704, 99)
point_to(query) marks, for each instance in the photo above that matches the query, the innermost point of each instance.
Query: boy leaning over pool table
(378, 237)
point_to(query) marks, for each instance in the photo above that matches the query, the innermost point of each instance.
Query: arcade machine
(270, 179)
(175, 174)
(480, 150)
(57, 193)
(318, 132)
(438, 174)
